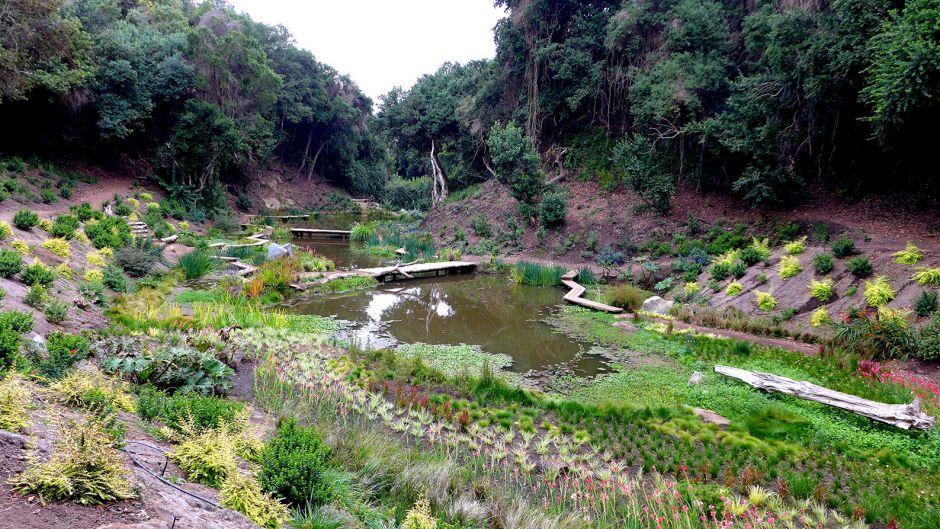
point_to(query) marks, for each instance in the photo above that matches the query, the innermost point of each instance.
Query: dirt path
(95, 194)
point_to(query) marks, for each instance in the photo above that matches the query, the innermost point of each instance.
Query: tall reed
(528, 273)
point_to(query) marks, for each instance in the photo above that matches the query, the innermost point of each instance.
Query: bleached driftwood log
(905, 416)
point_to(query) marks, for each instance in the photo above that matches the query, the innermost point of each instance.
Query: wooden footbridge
(390, 273)
(574, 295)
(306, 233)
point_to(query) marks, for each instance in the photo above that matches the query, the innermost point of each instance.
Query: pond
(341, 252)
(485, 310)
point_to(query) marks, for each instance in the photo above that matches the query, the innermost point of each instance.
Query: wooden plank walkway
(386, 273)
(313, 232)
(576, 291)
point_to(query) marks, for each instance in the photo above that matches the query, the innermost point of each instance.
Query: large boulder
(657, 305)
(276, 251)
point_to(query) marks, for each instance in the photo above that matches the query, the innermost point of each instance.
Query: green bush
(627, 297)
(63, 350)
(204, 411)
(92, 291)
(13, 324)
(25, 219)
(926, 303)
(111, 232)
(38, 274)
(64, 226)
(196, 264)
(11, 262)
(843, 247)
(293, 464)
(47, 195)
(928, 342)
(85, 212)
(136, 260)
(859, 267)
(553, 209)
(823, 263)
(720, 271)
(738, 269)
(408, 194)
(36, 297)
(114, 278)
(481, 226)
(56, 311)
(750, 256)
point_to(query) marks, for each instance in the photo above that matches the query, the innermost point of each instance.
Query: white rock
(657, 305)
(695, 378)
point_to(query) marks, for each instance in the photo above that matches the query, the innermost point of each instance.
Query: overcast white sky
(384, 43)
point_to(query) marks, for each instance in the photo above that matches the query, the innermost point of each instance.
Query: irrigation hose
(161, 478)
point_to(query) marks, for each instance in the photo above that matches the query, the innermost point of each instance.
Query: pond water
(340, 252)
(485, 310)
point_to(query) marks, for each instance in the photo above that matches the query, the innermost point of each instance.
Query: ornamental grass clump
(910, 255)
(196, 264)
(789, 267)
(796, 247)
(362, 232)
(927, 276)
(822, 291)
(765, 301)
(820, 317)
(14, 404)
(627, 297)
(734, 288)
(85, 467)
(879, 292)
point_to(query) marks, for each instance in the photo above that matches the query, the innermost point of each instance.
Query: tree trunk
(904, 416)
(439, 179)
(313, 163)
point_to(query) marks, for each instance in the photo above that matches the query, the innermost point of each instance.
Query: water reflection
(486, 310)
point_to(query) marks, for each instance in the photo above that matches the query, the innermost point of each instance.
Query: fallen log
(904, 416)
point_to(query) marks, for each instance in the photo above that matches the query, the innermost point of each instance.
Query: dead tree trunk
(439, 179)
(904, 416)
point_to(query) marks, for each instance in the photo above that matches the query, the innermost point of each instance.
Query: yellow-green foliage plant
(691, 288)
(57, 246)
(134, 203)
(153, 206)
(820, 317)
(88, 388)
(207, 457)
(14, 404)
(822, 291)
(927, 276)
(96, 259)
(879, 292)
(789, 266)
(65, 271)
(107, 252)
(46, 225)
(734, 288)
(6, 230)
(796, 247)
(85, 467)
(243, 494)
(762, 246)
(22, 246)
(728, 258)
(765, 301)
(82, 238)
(901, 317)
(910, 255)
(419, 516)
(146, 196)
(182, 225)
(93, 275)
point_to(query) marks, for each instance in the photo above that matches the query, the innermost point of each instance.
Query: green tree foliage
(515, 161)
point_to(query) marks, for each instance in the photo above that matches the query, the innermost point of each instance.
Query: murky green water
(340, 252)
(483, 310)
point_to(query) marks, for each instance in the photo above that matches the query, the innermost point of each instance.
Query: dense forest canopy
(207, 95)
(756, 98)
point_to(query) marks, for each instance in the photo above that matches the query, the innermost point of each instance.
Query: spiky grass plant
(910, 255)
(927, 276)
(529, 273)
(196, 264)
(84, 467)
(879, 292)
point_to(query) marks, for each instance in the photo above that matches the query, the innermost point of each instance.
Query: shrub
(820, 317)
(25, 219)
(822, 291)
(738, 269)
(22, 247)
(796, 247)
(926, 303)
(14, 404)
(243, 494)
(910, 255)
(627, 297)
(927, 276)
(419, 516)
(5, 230)
(750, 256)
(91, 390)
(114, 278)
(843, 247)
(179, 368)
(871, 335)
(481, 226)
(94, 275)
(859, 266)
(84, 467)
(47, 195)
(789, 266)
(11, 263)
(878, 292)
(123, 209)
(58, 247)
(188, 410)
(720, 271)
(13, 324)
(92, 291)
(928, 342)
(38, 274)
(690, 289)
(196, 264)
(111, 232)
(292, 465)
(65, 271)
(136, 260)
(734, 288)
(65, 226)
(553, 209)
(823, 263)
(765, 301)
(207, 457)
(84, 212)
(63, 350)
(36, 297)
(56, 311)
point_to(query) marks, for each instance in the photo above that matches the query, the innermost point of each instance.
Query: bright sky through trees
(382, 43)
